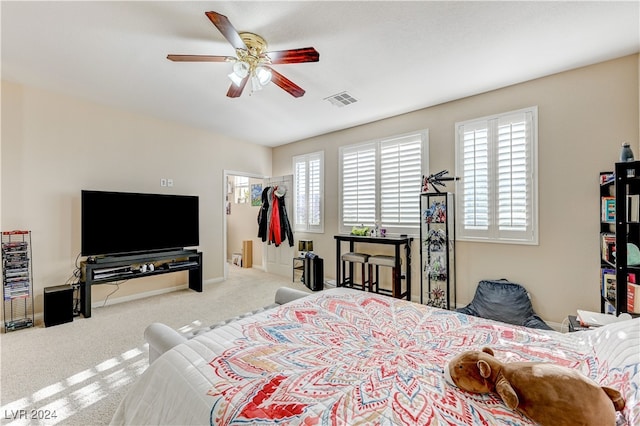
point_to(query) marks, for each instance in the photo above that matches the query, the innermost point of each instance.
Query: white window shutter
(315, 189)
(358, 185)
(496, 157)
(400, 181)
(514, 186)
(475, 177)
(300, 198)
(309, 191)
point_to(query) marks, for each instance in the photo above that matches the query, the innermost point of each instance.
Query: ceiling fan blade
(199, 58)
(226, 28)
(286, 84)
(235, 91)
(293, 56)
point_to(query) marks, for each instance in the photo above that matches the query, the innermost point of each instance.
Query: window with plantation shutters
(308, 176)
(381, 182)
(400, 181)
(496, 159)
(358, 185)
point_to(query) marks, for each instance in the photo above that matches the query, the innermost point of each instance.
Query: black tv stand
(107, 269)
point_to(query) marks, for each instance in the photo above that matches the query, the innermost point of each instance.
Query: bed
(346, 357)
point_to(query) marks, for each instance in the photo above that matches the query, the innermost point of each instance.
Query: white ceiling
(393, 57)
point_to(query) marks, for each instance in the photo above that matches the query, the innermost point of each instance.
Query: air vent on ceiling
(341, 99)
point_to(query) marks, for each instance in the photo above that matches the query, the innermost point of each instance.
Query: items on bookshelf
(607, 177)
(626, 154)
(17, 280)
(608, 247)
(608, 307)
(609, 284)
(633, 298)
(633, 208)
(620, 238)
(608, 209)
(633, 255)
(437, 250)
(609, 291)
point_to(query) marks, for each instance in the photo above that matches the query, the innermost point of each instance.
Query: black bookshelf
(620, 190)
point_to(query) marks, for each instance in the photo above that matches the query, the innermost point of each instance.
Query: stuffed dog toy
(548, 394)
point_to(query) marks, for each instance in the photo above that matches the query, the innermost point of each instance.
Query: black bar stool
(374, 280)
(353, 257)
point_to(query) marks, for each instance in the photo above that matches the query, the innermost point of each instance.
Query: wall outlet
(163, 182)
(169, 182)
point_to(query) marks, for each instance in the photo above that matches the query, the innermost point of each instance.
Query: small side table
(574, 324)
(297, 265)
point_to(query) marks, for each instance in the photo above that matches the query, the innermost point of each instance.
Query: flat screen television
(125, 222)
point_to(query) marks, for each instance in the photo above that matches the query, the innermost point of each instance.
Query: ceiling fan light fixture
(255, 84)
(235, 79)
(240, 71)
(263, 75)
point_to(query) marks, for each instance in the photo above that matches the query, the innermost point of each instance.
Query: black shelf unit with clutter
(622, 255)
(437, 250)
(17, 280)
(607, 241)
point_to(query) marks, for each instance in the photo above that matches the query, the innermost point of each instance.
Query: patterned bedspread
(344, 357)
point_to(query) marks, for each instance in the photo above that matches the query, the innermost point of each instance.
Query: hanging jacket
(269, 212)
(274, 224)
(285, 227)
(263, 215)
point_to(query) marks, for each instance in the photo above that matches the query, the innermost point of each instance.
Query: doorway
(240, 222)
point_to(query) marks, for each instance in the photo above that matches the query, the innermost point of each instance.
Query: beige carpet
(79, 371)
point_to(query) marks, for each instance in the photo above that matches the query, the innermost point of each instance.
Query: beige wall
(53, 146)
(584, 115)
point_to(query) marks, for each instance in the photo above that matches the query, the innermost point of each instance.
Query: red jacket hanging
(273, 221)
(275, 235)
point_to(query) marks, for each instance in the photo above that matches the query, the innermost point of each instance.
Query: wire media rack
(17, 280)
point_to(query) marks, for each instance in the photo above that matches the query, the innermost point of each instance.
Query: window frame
(412, 227)
(493, 232)
(305, 159)
(241, 193)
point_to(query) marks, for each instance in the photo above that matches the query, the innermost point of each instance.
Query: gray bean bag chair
(501, 300)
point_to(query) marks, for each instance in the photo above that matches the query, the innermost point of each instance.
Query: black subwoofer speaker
(313, 272)
(58, 305)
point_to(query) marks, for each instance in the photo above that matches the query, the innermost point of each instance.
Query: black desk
(395, 241)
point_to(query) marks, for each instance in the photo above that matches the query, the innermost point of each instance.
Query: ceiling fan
(253, 62)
